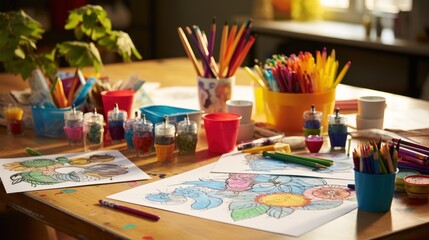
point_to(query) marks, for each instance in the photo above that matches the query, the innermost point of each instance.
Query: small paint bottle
(165, 140)
(73, 126)
(143, 136)
(187, 136)
(93, 131)
(115, 122)
(312, 122)
(13, 116)
(128, 131)
(337, 130)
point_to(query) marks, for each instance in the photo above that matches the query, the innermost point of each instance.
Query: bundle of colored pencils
(375, 158)
(234, 46)
(412, 155)
(300, 73)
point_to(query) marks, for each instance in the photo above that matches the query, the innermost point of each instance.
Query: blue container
(374, 192)
(49, 122)
(156, 113)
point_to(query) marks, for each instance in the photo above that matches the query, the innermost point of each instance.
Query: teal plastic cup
(374, 191)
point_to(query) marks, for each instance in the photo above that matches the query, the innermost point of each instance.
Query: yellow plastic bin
(285, 110)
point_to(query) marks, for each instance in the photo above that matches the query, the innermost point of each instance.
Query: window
(354, 10)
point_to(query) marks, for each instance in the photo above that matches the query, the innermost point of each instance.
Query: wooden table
(78, 213)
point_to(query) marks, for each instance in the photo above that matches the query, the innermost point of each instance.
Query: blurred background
(152, 25)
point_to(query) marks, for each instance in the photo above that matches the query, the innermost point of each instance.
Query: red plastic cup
(221, 131)
(124, 99)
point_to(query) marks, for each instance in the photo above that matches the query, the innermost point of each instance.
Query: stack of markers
(375, 158)
(412, 156)
(300, 73)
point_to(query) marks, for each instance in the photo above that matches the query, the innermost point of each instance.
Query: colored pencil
(323, 161)
(293, 160)
(223, 46)
(242, 56)
(200, 50)
(188, 50)
(129, 210)
(342, 74)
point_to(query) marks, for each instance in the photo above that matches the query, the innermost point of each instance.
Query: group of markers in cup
(140, 134)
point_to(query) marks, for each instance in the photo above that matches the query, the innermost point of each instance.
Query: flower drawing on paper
(252, 195)
(46, 171)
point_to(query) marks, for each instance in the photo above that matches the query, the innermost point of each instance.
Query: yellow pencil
(255, 78)
(342, 74)
(223, 46)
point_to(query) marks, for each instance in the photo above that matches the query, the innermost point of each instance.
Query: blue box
(156, 113)
(49, 122)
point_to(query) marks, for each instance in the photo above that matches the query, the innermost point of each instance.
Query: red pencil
(129, 210)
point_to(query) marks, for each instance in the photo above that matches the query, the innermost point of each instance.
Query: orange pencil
(231, 37)
(242, 55)
(72, 89)
(231, 50)
(59, 94)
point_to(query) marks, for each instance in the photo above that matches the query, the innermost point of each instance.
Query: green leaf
(246, 213)
(80, 54)
(19, 53)
(121, 43)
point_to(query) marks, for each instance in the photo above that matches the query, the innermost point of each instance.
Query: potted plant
(18, 43)
(92, 29)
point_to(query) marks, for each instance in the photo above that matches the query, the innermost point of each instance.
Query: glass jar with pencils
(213, 93)
(216, 79)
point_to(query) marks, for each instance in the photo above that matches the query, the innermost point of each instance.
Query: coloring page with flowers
(67, 170)
(281, 204)
(256, 163)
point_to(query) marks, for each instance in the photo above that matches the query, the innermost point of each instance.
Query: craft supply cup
(213, 93)
(221, 131)
(374, 191)
(241, 107)
(368, 123)
(284, 110)
(245, 132)
(124, 99)
(371, 107)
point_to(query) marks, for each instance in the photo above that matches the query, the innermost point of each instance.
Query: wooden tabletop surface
(79, 214)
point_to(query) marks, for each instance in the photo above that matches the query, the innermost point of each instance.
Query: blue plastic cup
(374, 191)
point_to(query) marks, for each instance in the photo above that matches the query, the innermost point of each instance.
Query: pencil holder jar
(285, 110)
(213, 93)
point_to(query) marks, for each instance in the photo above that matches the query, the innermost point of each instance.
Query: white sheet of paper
(255, 163)
(67, 170)
(280, 204)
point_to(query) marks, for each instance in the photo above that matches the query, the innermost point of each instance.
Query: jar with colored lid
(73, 126)
(143, 136)
(187, 136)
(165, 140)
(115, 122)
(337, 130)
(312, 122)
(93, 131)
